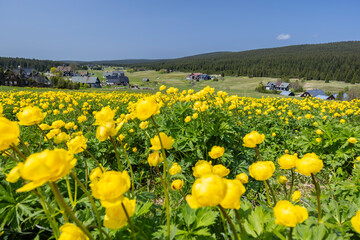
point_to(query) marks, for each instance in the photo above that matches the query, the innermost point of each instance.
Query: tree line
(39, 65)
(331, 61)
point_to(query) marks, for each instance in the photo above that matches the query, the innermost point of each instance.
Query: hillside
(40, 65)
(336, 61)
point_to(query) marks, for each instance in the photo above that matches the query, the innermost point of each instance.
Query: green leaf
(205, 217)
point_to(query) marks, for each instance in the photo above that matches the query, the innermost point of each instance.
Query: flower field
(177, 165)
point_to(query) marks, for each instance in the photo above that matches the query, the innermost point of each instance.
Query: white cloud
(283, 36)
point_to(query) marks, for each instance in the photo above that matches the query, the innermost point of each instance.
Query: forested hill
(338, 61)
(40, 65)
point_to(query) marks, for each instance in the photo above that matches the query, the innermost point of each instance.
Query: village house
(280, 86)
(198, 76)
(93, 82)
(313, 93)
(117, 78)
(66, 70)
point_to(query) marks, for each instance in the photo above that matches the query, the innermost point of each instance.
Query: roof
(324, 97)
(286, 93)
(284, 85)
(85, 79)
(316, 92)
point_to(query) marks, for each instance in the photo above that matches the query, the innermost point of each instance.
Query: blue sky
(128, 29)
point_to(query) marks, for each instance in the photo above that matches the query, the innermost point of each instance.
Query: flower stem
(317, 196)
(61, 201)
(13, 147)
(290, 233)
(258, 153)
(92, 202)
(267, 193)
(238, 218)
(285, 190)
(53, 224)
(69, 191)
(129, 221)
(131, 170)
(272, 192)
(43, 133)
(232, 226)
(166, 192)
(116, 154)
(292, 183)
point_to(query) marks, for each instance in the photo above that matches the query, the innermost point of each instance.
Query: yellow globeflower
(253, 138)
(14, 175)
(216, 152)
(144, 125)
(71, 232)
(177, 184)
(309, 164)
(165, 140)
(48, 165)
(10, 132)
(318, 140)
(242, 177)
(296, 196)
(105, 131)
(201, 168)
(81, 118)
(289, 215)
(262, 170)
(352, 140)
(287, 161)
(282, 180)
(355, 221)
(175, 168)
(111, 187)
(187, 119)
(162, 87)
(96, 174)
(207, 191)
(77, 145)
(234, 191)
(58, 124)
(342, 121)
(61, 137)
(154, 159)
(319, 132)
(221, 170)
(44, 127)
(273, 134)
(115, 217)
(30, 116)
(146, 107)
(104, 116)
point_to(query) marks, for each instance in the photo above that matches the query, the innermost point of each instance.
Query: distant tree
(327, 78)
(53, 70)
(353, 93)
(74, 66)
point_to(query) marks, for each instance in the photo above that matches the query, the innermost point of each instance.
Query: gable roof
(316, 92)
(284, 85)
(286, 93)
(324, 97)
(85, 79)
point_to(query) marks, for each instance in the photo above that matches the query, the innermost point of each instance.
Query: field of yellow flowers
(177, 165)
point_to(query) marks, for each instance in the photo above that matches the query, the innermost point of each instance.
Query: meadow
(177, 164)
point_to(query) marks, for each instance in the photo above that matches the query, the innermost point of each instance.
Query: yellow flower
(111, 187)
(253, 138)
(131, 130)
(207, 191)
(44, 127)
(289, 215)
(154, 159)
(58, 124)
(319, 132)
(77, 145)
(10, 132)
(175, 168)
(134, 149)
(162, 87)
(234, 191)
(201, 168)
(195, 115)
(167, 142)
(309, 164)
(318, 140)
(96, 174)
(71, 232)
(287, 161)
(61, 137)
(262, 170)
(352, 140)
(146, 107)
(81, 118)
(220, 170)
(242, 177)
(104, 116)
(342, 121)
(69, 125)
(14, 175)
(30, 116)
(216, 152)
(355, 221)
(282, 180)
(144, 125)
(115, 217)
(48, 165)
(187, 119)
(105, 131)
(273, 134)
(296, 196)
(177, 184)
